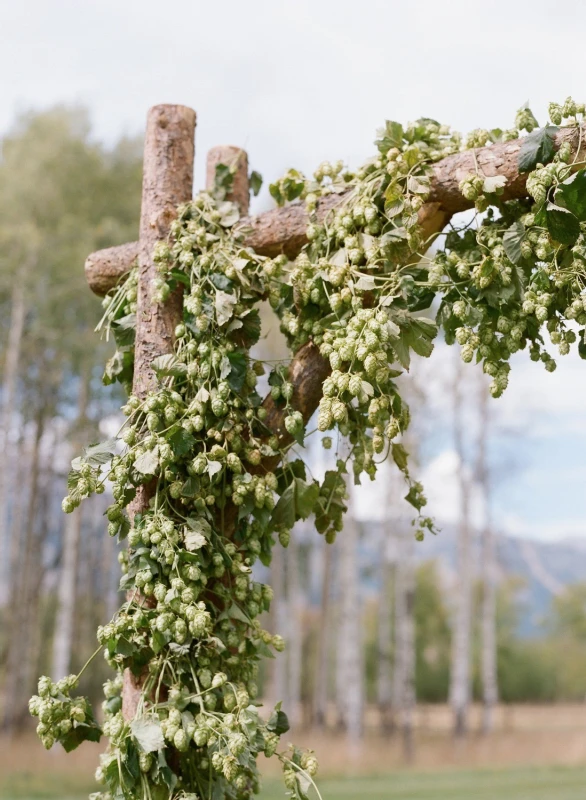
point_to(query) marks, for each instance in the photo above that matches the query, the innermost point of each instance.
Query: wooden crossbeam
(283, 229)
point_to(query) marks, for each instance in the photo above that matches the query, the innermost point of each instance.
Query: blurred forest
(407, 632)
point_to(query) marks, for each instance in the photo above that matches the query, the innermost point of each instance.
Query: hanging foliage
(224, 465)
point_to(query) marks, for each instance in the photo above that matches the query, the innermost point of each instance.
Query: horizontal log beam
(282, 230)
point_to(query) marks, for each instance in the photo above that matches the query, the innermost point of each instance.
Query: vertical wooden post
(167, 181)
(229, 155)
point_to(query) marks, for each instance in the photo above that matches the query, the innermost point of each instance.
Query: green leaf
(297, 502)
(255, 181)
(147, 732)
(220, 281)
(229, 214)
(512, 241)
(168, 364)
(400, 456)
(181, 441)
(389, 136)
(365, 283)
(148, 462)
(276, 194)
(223, 179)
(95, 454)
(119, 368)
(582, 345)
(224, 306)
(88, 731)
(571, 194)
(303, 784)
(278, 721)
(199, 533)
(234, 612)
(249, 331)
(124, 330)
(200, 525)
(562, 225)
(237, 374)
(493, 184)
(537, 148)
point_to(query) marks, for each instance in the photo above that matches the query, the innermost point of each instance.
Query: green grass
(549, 783)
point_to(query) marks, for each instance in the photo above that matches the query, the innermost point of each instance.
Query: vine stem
(89, 661)
(300, 769)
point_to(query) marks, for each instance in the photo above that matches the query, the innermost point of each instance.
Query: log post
(167, 182)
(232, 157)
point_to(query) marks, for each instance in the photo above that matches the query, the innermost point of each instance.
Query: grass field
(555, 783)
(507, 765)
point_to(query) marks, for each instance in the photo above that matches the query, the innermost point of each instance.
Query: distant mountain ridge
(544, 568)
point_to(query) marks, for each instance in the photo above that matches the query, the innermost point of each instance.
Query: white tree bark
(460, 672)
(385, 627)
(280, 683)
(322, 656)
(9, 380)
(66, 594)
(349, 653)
(488, 661)
(404, 674)
(295, 643)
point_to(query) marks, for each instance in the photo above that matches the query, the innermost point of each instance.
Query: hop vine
(226, 485)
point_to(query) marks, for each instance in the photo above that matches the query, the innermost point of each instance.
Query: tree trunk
(404, 677)
(9, 380)
(488, 662)
(320, 688)
(460, 672)
(385, 627)
(281, 611)
(66, 595)
(350, 676)
(21, 612)
(295, 644)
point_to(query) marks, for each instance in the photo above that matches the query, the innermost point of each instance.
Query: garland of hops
(189, 630)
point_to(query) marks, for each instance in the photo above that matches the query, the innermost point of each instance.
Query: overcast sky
(297, 82)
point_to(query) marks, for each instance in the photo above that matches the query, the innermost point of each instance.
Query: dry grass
(524, 736)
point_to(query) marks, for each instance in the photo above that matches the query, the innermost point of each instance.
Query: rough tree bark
(488, 661)
(236, 158)
(66, 595)
(167, 182)
(283, 230)
(460, 671)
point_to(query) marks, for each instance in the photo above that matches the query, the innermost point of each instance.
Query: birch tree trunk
(488, 659)
(295, 643)
(322, 660)
(66, 595)
(279, 687)
(9, 380)
(20, 600)
(385, 627)
(460, 671)
(349, 653)
(404, 675)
